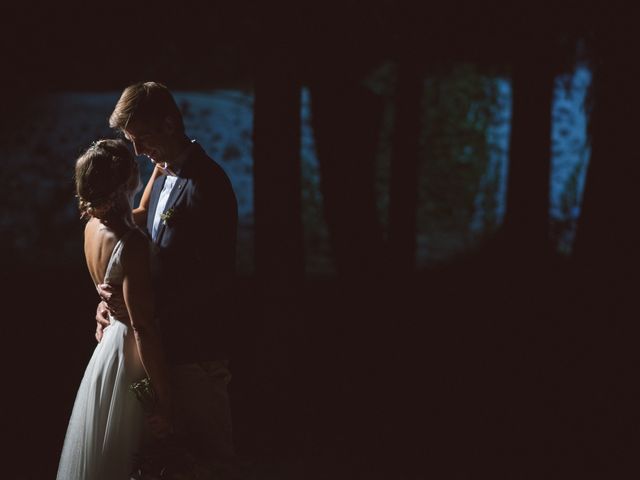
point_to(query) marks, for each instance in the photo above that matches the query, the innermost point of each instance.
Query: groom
(189, 210)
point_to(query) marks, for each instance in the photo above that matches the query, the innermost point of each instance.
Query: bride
(105, 428)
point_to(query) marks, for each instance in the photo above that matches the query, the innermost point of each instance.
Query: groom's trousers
(201, 407)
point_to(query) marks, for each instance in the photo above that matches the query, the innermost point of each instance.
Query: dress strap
(116, 253)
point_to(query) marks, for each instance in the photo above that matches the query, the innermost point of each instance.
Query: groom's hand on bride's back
(112, 302)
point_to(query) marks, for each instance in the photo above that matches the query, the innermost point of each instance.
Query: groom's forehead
(133, 133)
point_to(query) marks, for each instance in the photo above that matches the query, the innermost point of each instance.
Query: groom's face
(148, 140)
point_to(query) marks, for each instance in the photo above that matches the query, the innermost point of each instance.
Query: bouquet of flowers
(168, 458)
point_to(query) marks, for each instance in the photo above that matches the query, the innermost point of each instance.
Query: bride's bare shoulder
(96, 227)
(99, 242)
(91, 226)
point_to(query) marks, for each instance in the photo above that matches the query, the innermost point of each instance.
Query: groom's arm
(216, 214)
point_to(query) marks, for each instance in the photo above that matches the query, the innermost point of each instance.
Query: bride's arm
(138, 297)
(140, 213)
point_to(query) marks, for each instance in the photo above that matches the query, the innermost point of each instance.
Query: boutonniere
(167, 216)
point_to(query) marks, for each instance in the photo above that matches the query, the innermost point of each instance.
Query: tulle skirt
(104, 431)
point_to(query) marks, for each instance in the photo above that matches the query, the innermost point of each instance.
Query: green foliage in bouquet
(145, 394)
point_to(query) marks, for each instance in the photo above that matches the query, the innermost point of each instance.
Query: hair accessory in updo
(102, 174)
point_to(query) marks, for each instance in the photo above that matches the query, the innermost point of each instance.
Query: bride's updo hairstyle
(103, 175)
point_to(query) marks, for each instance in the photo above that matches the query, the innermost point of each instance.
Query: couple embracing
(164, 272)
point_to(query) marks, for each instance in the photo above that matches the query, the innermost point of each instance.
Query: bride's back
(99, 243)
(106, 178)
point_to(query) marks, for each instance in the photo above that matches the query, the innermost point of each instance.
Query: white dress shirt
(169, 182)
(162, 202)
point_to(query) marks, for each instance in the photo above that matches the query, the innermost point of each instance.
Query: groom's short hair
(148, 103)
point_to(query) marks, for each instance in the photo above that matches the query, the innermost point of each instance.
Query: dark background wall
(508, 362)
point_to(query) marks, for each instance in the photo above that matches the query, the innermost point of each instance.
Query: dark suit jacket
(194, 260)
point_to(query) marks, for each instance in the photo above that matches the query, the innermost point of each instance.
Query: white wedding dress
(106, 422)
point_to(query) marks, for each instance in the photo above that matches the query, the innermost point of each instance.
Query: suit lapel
(153, 202)
(176, 193)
